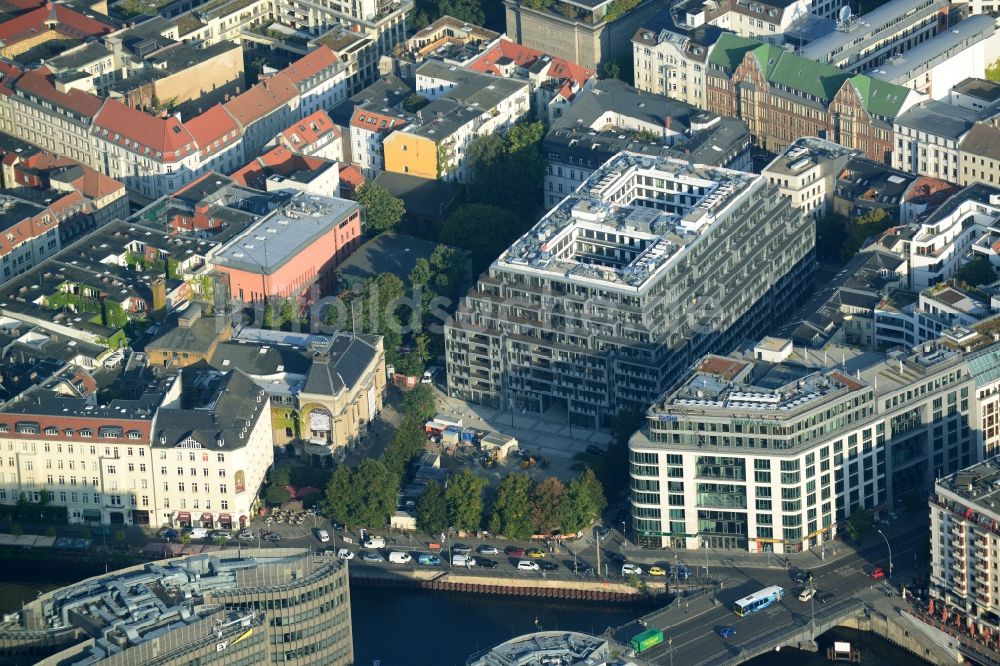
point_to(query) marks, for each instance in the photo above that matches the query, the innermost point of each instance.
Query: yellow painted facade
(23, 45)
(410, 154)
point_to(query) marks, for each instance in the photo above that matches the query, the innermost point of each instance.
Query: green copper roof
(729, 50)
(805, 75)
(879, 97)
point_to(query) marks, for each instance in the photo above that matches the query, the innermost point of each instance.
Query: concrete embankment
(906, 632)
(552, 588)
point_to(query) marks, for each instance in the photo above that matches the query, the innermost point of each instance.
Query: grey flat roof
(869, 24)
(939, 119)
(269, 244)
(935, 50)
(983, 89)
(386, 253)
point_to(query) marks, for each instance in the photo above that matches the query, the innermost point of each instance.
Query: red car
(514, 551)
(878, 573)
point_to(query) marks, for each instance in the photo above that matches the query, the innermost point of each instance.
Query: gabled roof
(215, 125)
(729, 51)
(263, 99)
(66, 21)
(343, 366)
(982, 140)
(378, 119)
(40, 83)
(166, 136)
(801, 74)
(528, 58)
(310, 65)
(309, 130)
(879, 98)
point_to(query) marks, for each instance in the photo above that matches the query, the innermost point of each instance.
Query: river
(418, 628)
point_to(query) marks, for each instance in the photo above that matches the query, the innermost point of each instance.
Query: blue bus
(758, 600)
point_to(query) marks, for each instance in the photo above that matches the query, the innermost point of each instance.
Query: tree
(406, 444)
(410, 365)
(276, 495)
(464, 497)
(221, 541)
(269, 317)
(546, 505)
(470, 11)
(383, 211)
(340, 498)
(483, 229)
(421, 273)
(375, 489)
(287, 311)
(862, 228)
(185, 538)
(281, 476)
(977, 272)
(512, 508)
(612, 70)
(626, 423)
(415, 102)
(432, 509)
(450, 271)
(420, 402)
(859, 523)
(51, 533)
(582, 502)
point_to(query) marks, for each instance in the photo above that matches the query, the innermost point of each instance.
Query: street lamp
(887, 545)
(670, 646)
(812, 609)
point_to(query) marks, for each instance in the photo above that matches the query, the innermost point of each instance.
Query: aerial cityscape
(499, 332)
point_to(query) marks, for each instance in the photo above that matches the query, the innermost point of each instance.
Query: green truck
(646, 640)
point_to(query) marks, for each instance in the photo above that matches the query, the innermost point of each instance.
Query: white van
(200, 533)
(323, 536)
(374, 542)
(462, 561)
(397, 557)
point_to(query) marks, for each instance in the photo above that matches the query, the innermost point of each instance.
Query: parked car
(337, 526)
(726, 632)
(428, 560)
(878, 573)
(546, 565)
(345, 554)
(514, 551)
(679, 572)
(603, 533)
(397, 557)
(372, 557)
(222, 534)
(486, 562)
(374, 542)
(272, 536)
(322, 535)
(595, 450)
(824, 596)
(246, 535)
(460, 560)
(802, 576)
(581, 568)
(169, 533)
(630, 569)
(536, 553)
(528, 565)
(657, 571)
(461, 549)
(806, 594)
(488, 550)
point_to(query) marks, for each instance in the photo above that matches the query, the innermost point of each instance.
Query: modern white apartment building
(195, 455)
(773, 448)
(928, 137)
(807, 173)
(604, 303)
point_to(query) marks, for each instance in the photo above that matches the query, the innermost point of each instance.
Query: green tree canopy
(420, 402)
(546, 505)
(859, 523)
(276, 495)
(432, 509)
(340, 502)
(582, 502)
(281, 476)
(450, 271)
(512, 509)
(376, 488)
(862, 228)
(464, 497)
(977, 272)
(626, 423)
(415, 102)
(483, 229)
(421, 273)
(383, 211)
(407, 443)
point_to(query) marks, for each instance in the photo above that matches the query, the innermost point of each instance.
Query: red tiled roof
(311, 64)
(373, 121)
(279, 160)
(167, 136)
(264, 98)
(309, 130)
(68, 22)
(92, 183)
(8, 74)
(40, 83)
(523, 56)
(351, 175)
(215, 125)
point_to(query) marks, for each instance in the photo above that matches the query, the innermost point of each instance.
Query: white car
(345, 554)
(631, 569)
(397, 557)
(528, 565)
(374, 542)
(322, 535)
(806, 594)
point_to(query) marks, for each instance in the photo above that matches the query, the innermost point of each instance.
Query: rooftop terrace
(628, 220)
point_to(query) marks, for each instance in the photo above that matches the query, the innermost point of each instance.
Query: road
(693, 634)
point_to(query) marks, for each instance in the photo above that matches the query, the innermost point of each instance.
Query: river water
(418, 628)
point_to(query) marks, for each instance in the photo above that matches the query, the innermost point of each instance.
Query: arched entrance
(319, 425)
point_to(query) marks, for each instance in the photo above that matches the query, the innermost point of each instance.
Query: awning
(183, 515)
(206, 517)
(225, 519)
